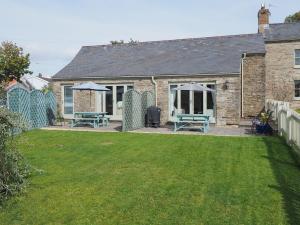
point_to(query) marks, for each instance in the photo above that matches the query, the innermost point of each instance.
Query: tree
(13, 169)
(133, 42)
(13, 62)
(116, 42)
(293, 18)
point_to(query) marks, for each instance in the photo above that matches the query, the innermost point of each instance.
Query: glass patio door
(109, 101)
(190, 102)
(112, 101)
(119, 100)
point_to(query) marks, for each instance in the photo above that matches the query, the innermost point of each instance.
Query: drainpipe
(155, 88)
(242, 84)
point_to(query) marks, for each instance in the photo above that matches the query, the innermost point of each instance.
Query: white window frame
(296, 98)
(66, 116)
(171, 118)
(296, 57)
(102, 107)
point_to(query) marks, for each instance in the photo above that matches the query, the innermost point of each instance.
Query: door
(191, 102)
(67, 101)
(119, 101)
(112, 101)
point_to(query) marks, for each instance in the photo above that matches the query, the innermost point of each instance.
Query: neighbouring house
(32, 82)
(244, 69)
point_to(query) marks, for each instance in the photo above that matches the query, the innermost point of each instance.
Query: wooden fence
(288, 122)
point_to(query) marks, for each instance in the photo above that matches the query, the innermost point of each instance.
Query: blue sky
(52, 31)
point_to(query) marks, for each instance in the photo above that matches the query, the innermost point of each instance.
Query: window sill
(296, 99)
(296, 66)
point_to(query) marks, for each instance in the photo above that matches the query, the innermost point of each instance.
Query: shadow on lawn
(286, 169)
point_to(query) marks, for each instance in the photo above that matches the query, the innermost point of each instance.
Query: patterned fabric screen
(135, 105)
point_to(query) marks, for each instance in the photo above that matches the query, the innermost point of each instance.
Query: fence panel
(18, 100)
(288, 122)
(51, 107)
(148, 99)
(38, 109)
(135, 105)
(132, 106)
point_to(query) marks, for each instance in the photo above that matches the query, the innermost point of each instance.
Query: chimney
(263, 19)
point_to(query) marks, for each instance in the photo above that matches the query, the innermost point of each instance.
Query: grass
(125, 178)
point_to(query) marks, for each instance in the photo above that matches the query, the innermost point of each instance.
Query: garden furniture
(94, 119)
(184, 120)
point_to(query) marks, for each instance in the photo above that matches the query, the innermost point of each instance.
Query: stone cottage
(244, 70)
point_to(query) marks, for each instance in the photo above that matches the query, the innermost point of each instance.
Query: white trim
(295, 97)
(191, 98)
(242, 84)
(102, 105)
(296, 57)
(66, 116)
(149, 76)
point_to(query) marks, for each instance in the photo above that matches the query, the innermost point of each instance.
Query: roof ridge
(173, 40)
(297, 22)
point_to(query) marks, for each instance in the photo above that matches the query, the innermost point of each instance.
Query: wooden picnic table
(94, 119)
(184, 120)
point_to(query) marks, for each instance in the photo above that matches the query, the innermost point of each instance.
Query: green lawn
(125, 178)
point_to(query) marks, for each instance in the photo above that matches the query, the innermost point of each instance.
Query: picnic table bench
(94, 119)
(184, 120)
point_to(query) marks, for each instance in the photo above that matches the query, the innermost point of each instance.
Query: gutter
(146, 76)
(155, 87)
(242, 84)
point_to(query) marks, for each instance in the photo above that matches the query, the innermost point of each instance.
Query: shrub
(13, 169)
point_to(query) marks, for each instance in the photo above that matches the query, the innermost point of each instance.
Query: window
(297, 89)
(68, 100)
(111, 101)
(210, 97)
(191, 102)
(173, 100)
(297, 57)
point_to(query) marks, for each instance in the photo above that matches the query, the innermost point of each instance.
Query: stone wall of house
(281, 71)
(86, 101)
(253, 84)
(227, 99)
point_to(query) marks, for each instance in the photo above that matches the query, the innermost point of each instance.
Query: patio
(117, 127)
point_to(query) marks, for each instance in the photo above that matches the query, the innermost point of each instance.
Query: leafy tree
(13, 169)
(293, 18)
(131, 41)
(116, 42)
(13, 62)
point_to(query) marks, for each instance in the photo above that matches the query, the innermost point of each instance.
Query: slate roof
(283, 32)
(194, 56)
